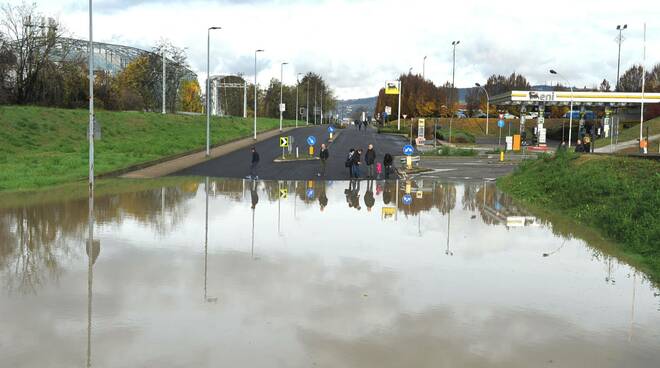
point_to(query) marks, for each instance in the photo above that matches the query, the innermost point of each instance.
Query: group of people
(361, 124)
(354, 161)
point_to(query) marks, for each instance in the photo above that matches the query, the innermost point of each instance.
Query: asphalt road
(237, 164)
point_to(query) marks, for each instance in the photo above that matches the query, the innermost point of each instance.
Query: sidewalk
(180, 163)
(623, 145)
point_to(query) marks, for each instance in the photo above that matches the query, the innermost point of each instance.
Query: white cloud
(357, 45)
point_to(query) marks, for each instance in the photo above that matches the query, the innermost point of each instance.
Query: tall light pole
(208, 89)
(281, 89)
(164, 81)
(316, 85)
(424, 68)
(570, 117)
(297, 85)
(90, 129)
(619, 28)
(255, 93)
(307, 105)
(487, 104)
(453, 78)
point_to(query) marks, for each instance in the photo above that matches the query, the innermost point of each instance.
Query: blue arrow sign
(408, 150)
(500, 123)
(310, 193)
(407, 199)
(331, 129)
(311, 140)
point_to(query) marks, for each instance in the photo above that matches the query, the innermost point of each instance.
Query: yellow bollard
(502, 156)
(409, 162)
(330, 136)
(311, 150)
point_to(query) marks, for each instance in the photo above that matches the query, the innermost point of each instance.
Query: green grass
(632, 133)
(618, 196)
(448, 151)
(46, 146)
(457, 136)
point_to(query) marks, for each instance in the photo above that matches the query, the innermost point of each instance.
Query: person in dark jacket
(370, 160)
(387, 164)
(579, 148)
(349, 162)
(324, 154)
(357, 160)
(254, 164)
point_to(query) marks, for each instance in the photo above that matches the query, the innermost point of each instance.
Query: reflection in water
(341, 281)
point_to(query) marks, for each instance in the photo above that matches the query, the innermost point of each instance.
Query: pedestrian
(254, 164)
(387, 162)
(586, 144)
(324, 154)
(370, 159)
(579, 148)
(643, 146)
(357, 156)
(379, 169)
(349, 162)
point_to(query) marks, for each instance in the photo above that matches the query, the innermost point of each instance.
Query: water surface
(209, 273)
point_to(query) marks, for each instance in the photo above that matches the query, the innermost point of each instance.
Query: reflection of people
(369, 199)
(323, 199)
(353, 194)
(254, 163)
(254, 195)
(387, 193)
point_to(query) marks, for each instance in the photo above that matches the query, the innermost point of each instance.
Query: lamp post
(255, 94)
(619, 28)
(570, 116)
(424, 68)
(208, 89)
(307, 104)
(164, 60)
(90, 129)
(453, 78)
(281, 89)
(487, 104)
(297, 85)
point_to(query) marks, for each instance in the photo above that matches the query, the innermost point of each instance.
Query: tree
(191, 99)
(631, 80)
(604, 86)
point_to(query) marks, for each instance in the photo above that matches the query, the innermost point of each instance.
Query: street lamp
(90, 129)
(424, 68)
(208, 89)
(410, 70)
(570, 116)
(453, 78)
(487, 104)
(619, 28)
(281, 89)
(297, 85)
(255, 93)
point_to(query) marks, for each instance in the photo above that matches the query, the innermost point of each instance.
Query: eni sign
(541, 96)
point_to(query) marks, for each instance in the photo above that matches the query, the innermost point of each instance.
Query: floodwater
(227, 273)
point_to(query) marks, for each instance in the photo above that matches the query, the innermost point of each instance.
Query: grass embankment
(448, 151)
(632, 133)
(45, 146)
(618, 196)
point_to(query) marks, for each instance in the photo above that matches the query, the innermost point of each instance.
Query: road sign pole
(398, 124)
(499, 140)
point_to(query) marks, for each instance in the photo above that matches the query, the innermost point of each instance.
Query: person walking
(324, 154)
(357, 157)
(370, 160)
(387, 163)
(254, 164)
(349, 162)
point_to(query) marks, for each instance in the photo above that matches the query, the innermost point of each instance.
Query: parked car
(460, 115)
(479, 115)
(509, 116)
(588, 115)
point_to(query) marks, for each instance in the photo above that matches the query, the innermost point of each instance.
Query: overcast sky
(358, 45)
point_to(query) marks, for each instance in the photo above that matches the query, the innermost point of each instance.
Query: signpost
(500, 124)
(311, 140)
(284, 142)
(331, 130)
(284, 193)
(310, 193)
(407, 199)
(408, 151)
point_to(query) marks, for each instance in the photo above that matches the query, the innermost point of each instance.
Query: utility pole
(307, 104)
(297, 85)
(618, 63)
(315, 93)
(208, 90)
(255, 93)
(424, 68)
(453, 88)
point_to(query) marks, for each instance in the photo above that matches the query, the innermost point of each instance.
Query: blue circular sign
(407, 199)
(500, 123)
(310, 193)
(311, 140)
(331, 129)
(408, 150)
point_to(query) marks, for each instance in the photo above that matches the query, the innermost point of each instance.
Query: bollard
(501, 156)
(330, 136)
(311, 150)
(409, 162)
(297, 152)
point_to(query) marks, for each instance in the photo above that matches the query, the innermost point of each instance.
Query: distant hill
(346, 107)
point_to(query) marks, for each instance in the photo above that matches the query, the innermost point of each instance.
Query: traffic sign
(500, 123)
(284, 142)
(408, 150)
(311, 140)
(331, 129)
(501, 116)
(310, 193)
(407, 199)
(284, 193)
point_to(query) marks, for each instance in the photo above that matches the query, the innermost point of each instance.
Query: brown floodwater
(230, 273)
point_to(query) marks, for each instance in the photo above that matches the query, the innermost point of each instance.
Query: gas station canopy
(578, 98)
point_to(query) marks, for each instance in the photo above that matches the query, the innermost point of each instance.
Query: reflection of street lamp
(447, 251)
(91, 256)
